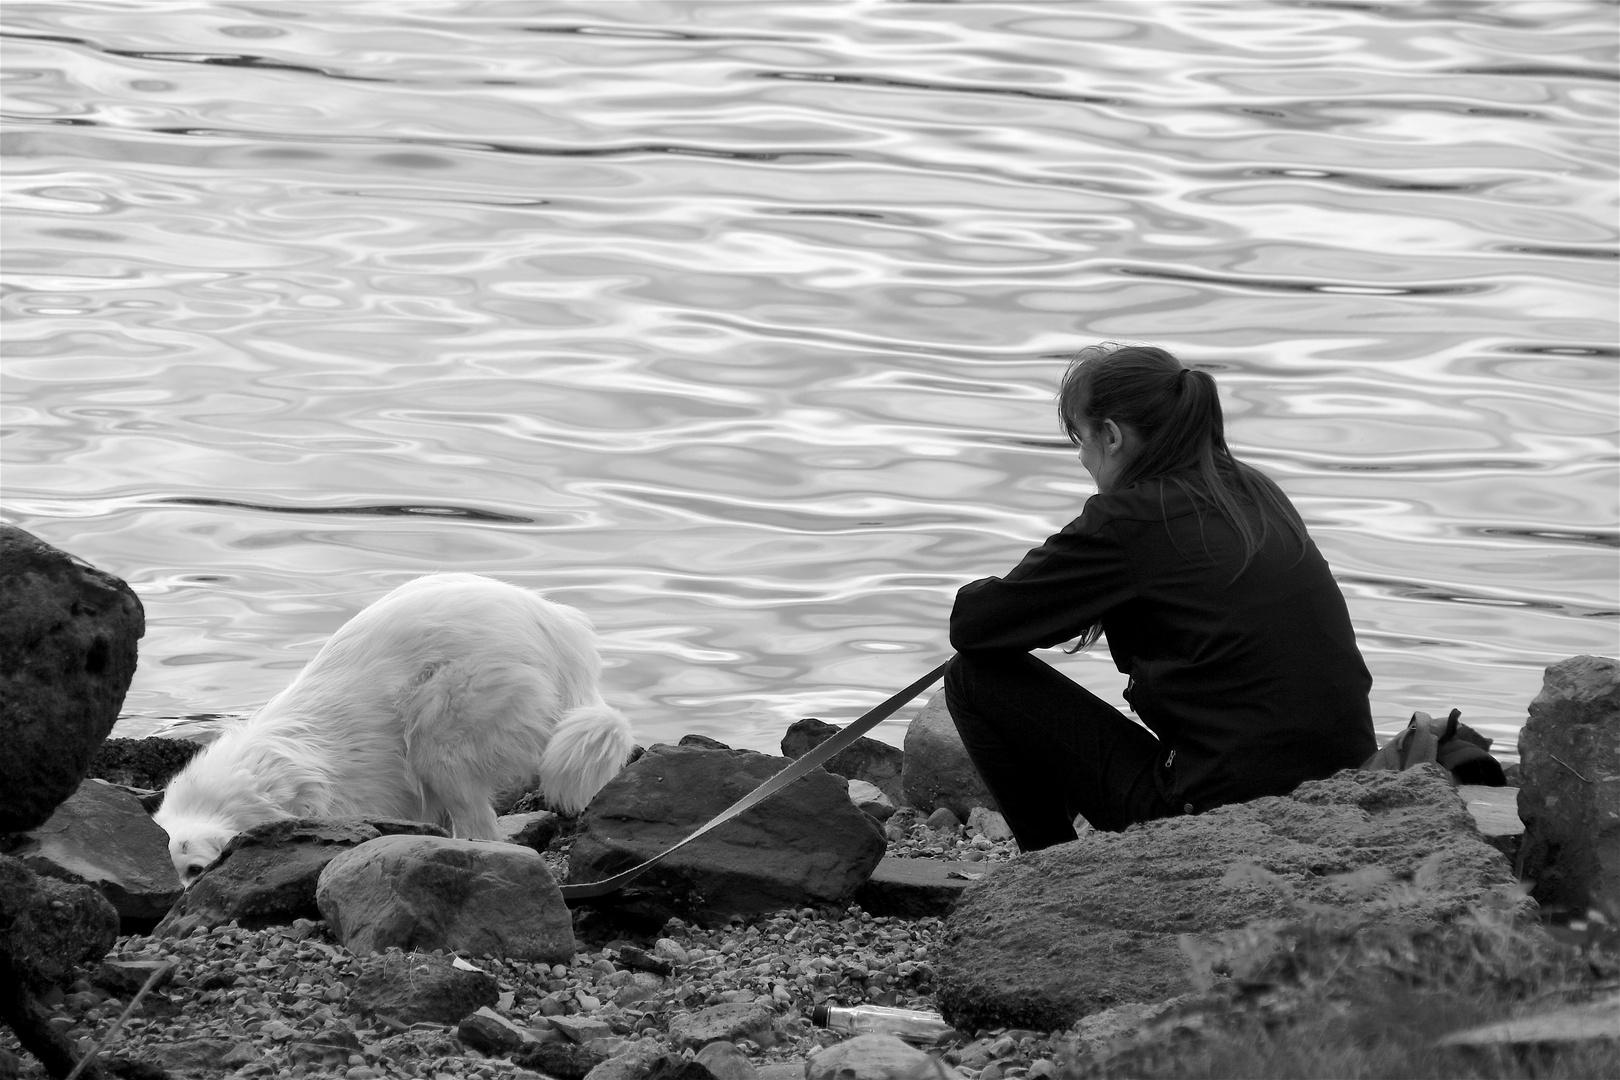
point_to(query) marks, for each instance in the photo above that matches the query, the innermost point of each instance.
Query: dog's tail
(589, 747)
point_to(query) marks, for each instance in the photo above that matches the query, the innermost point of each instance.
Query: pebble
(267, 992)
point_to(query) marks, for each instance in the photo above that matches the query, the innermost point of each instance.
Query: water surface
(737, 324)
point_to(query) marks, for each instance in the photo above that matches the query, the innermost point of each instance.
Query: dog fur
(451, 689)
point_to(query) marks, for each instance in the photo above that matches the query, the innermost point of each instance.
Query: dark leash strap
(589, 890)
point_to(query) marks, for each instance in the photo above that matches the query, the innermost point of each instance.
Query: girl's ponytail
(1176, 411)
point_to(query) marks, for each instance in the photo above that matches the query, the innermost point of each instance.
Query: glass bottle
(912, 1025)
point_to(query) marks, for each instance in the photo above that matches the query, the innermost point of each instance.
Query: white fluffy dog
(447, 691)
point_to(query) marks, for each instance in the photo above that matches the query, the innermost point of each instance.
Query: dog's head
(195, 845)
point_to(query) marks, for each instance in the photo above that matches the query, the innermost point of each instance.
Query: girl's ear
(1113, 439)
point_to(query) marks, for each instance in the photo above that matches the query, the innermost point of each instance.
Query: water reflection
(737, 325)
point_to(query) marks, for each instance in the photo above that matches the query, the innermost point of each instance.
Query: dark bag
(1454, 745)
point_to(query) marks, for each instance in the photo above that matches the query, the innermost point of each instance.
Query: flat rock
(630, 1063)
(192, 1059)
(741, 1020)
(488, 1032)
(429, 892)
(1569, 767)
(1495, 811)
(1074, 929)
(866, 759)
(581, 1030)
(807, 845)
(101, 836)
(413, 987)
(917, 888)
(871, 800)
(938, 772)
(67, 653)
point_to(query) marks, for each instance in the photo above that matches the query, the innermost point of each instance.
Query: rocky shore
(282, 1001)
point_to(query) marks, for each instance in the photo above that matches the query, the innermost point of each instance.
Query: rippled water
(737, 324)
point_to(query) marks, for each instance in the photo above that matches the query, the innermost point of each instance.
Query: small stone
(581, 1030)
(726, 1062)
(942, 820)
(989, 824)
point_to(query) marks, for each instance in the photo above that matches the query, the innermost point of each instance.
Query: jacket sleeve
(1051, 596)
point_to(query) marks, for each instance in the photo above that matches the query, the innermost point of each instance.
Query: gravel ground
(272, 1003)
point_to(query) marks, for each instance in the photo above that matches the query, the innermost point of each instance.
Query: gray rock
(870, 800)
(917, 888)
(49, 927)
(938, 771)
(67, 654)
(1495, 811)
(726, 1062)
(536, 829)
(267, 875)
(101, 836)
(192, 1059)
(808, 845)
(1074, 929)
(631, 1063)
(148, 763)
(1569, 758)
(568, 1061)
(428, 892)
(943, 820)
(728, 1023)
(488, 1032)
(413, 987)
(989, 824)
(877, 763)
(702, 741)
(582, 1030)
(875, 1057)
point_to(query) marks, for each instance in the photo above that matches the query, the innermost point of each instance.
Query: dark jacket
(1252, 685)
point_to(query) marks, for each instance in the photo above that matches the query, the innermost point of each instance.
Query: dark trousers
(1048, 748)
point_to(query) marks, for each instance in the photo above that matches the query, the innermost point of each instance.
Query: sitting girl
(1215, 601)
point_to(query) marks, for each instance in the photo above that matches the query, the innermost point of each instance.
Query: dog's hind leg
(469, 818)
(472, 728)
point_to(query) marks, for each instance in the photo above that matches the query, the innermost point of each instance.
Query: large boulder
(67, 654)
(426, 892)
(877, 763)
(1569, 794)
(806, 845)
(938, 771)
(49, 927)
(267, 875)
(1111, 918)
(101, 836)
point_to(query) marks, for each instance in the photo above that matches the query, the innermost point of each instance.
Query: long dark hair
(1176, 414)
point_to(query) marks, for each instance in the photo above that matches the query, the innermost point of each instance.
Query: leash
(572, 894)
